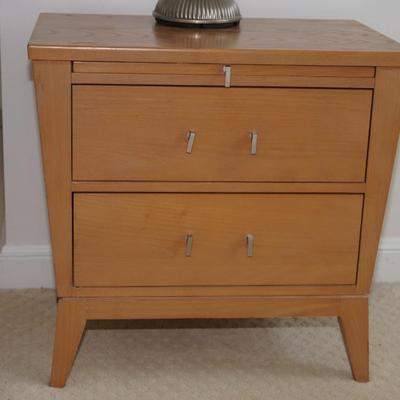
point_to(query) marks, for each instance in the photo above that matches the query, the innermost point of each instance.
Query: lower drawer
(215, 239)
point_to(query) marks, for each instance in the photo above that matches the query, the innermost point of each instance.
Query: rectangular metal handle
(228, 75)
(189, 244)
(250, 245)
(253, 140)
(191, 136)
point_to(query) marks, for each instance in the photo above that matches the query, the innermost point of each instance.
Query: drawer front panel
(130, 133)
(215, 239)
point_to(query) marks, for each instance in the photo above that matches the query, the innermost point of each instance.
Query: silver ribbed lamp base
(198, 13)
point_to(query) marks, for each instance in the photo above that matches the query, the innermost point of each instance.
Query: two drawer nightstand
(229, 173)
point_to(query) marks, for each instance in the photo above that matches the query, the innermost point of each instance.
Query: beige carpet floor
(256, 359)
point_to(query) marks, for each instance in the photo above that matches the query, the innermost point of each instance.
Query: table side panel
(53, 93)
(385, 129)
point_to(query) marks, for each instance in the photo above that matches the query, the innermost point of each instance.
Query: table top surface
(74, 36)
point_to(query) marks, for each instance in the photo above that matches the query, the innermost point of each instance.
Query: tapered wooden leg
(354, 325)
(71, 321)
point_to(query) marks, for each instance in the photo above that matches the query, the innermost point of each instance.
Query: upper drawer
(142, 133)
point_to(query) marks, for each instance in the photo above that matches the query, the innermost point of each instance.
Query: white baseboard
(24, 267)
(390, 244)
(32, 251)
(388, 261)
(31, 266)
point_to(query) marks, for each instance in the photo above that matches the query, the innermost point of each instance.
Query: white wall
(25, 260)
(2, 206)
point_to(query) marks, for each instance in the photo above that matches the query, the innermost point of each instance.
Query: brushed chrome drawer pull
(253, 140)
(228, 75)
(189, 244)
(191, 136)
(250, 245)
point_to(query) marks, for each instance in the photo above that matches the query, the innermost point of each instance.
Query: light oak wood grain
(215, 187)
(302, 71)
(71, 322)
(385, 129)
(353, 322)
(140, 133)
(302, 81)
(215, 291)
(158, 80)
(168, 69)
(217, 69)
(257, 41)
(53, 94)
(73, 313)
(313, 197)
(216, 80)
(171, 74)
(139, 240)
(210, 307)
